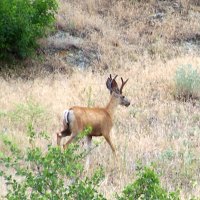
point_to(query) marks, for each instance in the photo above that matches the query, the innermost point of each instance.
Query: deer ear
(108, 83)
(114, 85)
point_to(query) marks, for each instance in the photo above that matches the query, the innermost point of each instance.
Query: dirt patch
(192, 44)
(70, 49)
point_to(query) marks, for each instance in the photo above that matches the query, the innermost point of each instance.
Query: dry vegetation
(144, 41)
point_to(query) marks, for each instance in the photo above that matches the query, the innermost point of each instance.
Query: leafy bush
(51, 175)
(22, 22)
(187, 82)
(147, 187)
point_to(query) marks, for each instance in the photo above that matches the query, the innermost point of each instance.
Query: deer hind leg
(66, 129)
(69, 141)
(75, 129)
(65, 132)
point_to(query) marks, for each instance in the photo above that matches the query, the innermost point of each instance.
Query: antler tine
(123, 83)
(115, 77)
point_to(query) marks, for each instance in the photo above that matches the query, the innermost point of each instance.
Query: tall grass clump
(187, 83)
(22, 22)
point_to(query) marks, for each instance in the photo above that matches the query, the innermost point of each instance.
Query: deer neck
(112, 105)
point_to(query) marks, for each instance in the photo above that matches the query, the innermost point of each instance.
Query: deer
(100, 119)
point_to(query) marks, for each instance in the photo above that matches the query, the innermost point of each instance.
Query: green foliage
(195, 198)
(28, 117)
(51, 175)
(187, 82)
(86, 188)
(28, 112)
(147, 187)
(32, 134)
(168, 154)
(90, 101)
(22, 22)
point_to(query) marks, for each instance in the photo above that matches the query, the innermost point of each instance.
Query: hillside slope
(145, 41)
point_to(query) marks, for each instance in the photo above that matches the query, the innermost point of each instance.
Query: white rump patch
(65, 114)
(68, 116)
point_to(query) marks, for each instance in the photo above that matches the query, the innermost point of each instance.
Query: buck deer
(100, 119)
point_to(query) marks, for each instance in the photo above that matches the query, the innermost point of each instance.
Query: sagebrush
(187, 82)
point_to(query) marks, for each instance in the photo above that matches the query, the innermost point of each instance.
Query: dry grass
(132, 42)
(155, 128)
(119, 27)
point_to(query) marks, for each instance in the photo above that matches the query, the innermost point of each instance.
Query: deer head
(115, 91)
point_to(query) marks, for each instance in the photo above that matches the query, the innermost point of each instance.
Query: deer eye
(123, 97)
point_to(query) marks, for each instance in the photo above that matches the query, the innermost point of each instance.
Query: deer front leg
(89, 142)
(107, 137)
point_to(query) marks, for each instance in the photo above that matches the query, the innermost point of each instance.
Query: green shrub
(22, 22)
(51, 175)
(30, 111)
(187, 82)
(26, 117)
(147, 187)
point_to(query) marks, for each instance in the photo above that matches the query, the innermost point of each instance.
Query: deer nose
(128, 104)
